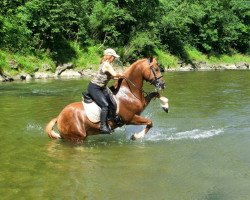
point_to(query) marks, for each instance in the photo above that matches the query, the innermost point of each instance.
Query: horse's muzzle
(160, 85)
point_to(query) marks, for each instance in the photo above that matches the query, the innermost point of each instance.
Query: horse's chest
(131, 101)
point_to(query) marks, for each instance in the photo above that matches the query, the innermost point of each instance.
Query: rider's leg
(97, 94)
(104, 125)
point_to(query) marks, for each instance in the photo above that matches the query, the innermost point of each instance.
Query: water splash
(192, 134)
(34, 127)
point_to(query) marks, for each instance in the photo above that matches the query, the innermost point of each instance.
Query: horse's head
(153, 74)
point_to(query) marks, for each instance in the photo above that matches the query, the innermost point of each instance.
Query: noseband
(155, 82)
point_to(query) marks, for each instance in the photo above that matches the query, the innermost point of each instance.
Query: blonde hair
(106, 58)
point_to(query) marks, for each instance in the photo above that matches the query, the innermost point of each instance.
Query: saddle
(93, 110)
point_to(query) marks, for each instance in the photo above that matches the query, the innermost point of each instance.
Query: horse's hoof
(165, 109)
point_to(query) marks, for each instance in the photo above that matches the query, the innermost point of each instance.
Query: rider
(98, 84)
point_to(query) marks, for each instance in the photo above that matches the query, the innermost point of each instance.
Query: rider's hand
(118, 76)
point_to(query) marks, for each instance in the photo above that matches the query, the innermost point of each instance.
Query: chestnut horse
(73, 124)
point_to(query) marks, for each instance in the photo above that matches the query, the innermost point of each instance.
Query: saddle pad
(93, 111)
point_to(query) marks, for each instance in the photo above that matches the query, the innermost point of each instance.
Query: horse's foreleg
(150, 96)
(139, 120)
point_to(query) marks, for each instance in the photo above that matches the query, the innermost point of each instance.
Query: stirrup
(105, 130)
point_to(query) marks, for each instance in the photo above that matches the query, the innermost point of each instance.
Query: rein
(140, 89)
(155, 76)
(156, 79)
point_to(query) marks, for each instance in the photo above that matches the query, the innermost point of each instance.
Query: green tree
(8, 7)
(241, 8)
(54, 24)
(134, 27)
(220, 28)
(176, 24)
(109, 24)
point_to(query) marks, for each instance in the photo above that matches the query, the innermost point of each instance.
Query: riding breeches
(97, 93)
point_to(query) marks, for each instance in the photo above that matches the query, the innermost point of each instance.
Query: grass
(26, 63)
(166, 59)
(170, 61)
(230, 59)
(90, 58)
(196, 55)
(86, 58)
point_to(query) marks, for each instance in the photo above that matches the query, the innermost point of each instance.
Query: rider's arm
(108, 68)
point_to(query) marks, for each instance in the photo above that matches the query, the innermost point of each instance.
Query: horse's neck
(134, 81)
(134, 74)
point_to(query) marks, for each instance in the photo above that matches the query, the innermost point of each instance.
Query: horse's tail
(49, 129)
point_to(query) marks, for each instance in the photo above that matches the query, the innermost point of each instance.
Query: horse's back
(70, 110)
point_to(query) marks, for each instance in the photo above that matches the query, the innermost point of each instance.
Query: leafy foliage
(135, 28)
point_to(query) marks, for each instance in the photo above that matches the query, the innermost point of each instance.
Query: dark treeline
(133, 27)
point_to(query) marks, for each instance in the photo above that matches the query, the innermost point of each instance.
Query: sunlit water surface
(199, 150)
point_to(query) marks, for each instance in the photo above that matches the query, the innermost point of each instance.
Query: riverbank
(68, 70)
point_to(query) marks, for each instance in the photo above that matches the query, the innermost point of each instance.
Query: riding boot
(104, 126)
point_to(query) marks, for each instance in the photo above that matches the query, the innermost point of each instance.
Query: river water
(199, 150)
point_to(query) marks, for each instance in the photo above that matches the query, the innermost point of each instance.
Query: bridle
(154, 82)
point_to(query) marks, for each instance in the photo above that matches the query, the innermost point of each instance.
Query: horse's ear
(151, 58)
